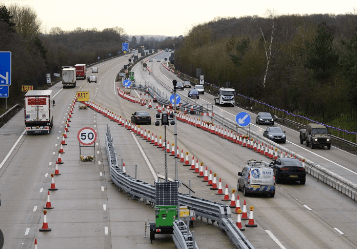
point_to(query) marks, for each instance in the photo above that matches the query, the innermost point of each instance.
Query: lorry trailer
(81, 71)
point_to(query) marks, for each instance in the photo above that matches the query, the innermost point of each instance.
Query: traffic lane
(227, 159)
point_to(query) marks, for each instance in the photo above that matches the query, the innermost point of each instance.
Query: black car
(289, 169)
(179, 85)
(141, 118)
(275, 134)
(264, 118)
(193, 93)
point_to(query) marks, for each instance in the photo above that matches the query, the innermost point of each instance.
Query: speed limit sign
(87, 136)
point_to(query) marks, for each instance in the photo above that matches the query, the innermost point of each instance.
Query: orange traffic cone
(45, 227)
(244, 212)
(35, 243)
(168, 147)
(156, 143)
(53, 185)
(177, 152)
(205, 176)
(210, 178)
(57, 173)
(214, 182)
(124, 170)
(220, 191)
(233, 199)
(182, 160)
(61, 151)
(193, 163)
(200, 173)
(160, 143)
(59, 159)
(251, 219)
(197, 169)
(187, 162)
(65, 134)
(239, 220)
(172, 149)
(226, 194)
(237, 204)
(48, 203)
(63, 142)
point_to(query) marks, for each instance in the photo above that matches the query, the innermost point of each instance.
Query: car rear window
(142, 113)
(265, 115)
(291, 162)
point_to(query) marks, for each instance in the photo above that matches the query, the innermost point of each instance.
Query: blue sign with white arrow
(5, 68)
(172, 99)
(243, 119)
(127, 83)
(4, 91)
(125, 46)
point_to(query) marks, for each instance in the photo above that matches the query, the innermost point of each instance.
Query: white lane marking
(46, 174)
(27, 231)
(104, 207)
(50, 163)
(102, 187)
(307, 207)
(275, 239)
(53, 153)
(41, 189)
(57, 137)
(96, 144)
(97, 151)
(145, 157)
(13, 147)
(115, 92)
(56, 145)
(34, 208)
(99, 162)
(100, 174)
(106, 230)
(95, 126)
(338, 230)
(57, 93)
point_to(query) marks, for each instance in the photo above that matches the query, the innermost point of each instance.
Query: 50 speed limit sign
(87, 136)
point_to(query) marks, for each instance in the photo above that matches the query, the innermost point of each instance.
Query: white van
(200, 89)
(256, 178)
(94, 69)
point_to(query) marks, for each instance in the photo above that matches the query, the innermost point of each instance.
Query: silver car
(256, 178)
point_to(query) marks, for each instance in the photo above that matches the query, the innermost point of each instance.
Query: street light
(174, 82)
(165, 118)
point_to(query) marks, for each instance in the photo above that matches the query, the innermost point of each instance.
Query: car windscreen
(228, 93)
(275, 129)
(319, 131)
(179, 84)
(193, 91)
(291, 162)
(142, 114)
(265, 115)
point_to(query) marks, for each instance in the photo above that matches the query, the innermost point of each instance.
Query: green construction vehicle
(164, 221)
(131, 76)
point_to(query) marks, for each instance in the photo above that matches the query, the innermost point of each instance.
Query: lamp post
(174, 82)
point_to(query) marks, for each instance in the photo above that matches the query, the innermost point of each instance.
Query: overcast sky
(158, 17)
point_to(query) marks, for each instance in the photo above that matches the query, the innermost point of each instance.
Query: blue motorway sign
(5, 68)
(125, 47)
(127, 83)
(172, 99)
(4, 91)
(243, 119)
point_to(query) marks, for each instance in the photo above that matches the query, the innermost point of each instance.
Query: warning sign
(26, 88)
(83, 96)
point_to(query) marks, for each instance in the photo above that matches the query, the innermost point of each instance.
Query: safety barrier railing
(216, 212)
(182, 236)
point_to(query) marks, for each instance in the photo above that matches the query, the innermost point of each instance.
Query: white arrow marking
(241, 120)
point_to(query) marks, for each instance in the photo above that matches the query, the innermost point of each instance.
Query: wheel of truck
(329, 146)
(152, 235)
(301, 140)
(312, 145)
(307, 143)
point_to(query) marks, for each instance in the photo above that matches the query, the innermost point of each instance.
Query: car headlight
(261, 119)
(283, 136)
(328, 140)
(272, 119)
(315, 139)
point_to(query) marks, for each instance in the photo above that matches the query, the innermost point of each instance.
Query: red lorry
(80, 71)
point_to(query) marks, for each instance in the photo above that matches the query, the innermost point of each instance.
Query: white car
(200, 89)
(92, 78)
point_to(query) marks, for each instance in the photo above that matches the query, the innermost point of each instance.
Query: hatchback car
(193, 93)
(256, 178)
(289, 169)
(179, 85)
(187, 84)
(92, 78)
(275, 134)
(200, 89)
(141, 117)
(264, 118)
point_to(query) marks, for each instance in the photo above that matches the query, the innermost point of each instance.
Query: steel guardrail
(9, 110)
(183, 237)
(137, 189)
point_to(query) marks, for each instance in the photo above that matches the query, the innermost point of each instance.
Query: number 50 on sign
(87, 136)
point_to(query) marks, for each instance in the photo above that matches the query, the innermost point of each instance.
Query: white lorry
(38, 111)
(225, 97)
(68, 76)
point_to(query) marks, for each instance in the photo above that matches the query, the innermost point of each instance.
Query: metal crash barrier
(216, 212)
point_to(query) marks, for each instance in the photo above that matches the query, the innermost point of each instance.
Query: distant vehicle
(81, 70)
(94, 69)
(38, 111)
(187, 84)
(200, 89)
(193, 93)
(289, 169)
(256, 178)
(141, 117)
(150, 60)
(275, 134)
(69, 76)
(225, 97)
(316, 135)
(179, 85)
(158, 60)
(264, 118)
(92, 78)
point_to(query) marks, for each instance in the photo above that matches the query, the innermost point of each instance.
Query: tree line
(305, 64)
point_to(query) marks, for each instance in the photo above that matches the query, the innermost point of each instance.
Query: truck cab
(225, 97)
(316, 135)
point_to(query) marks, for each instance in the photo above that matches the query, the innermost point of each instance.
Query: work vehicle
(275, 134)
(81, 70)
(38, 111)
(316, 135)
(187, 84)
(92, 78)
(68, 76)
(256, 178)
(193, 93)
(200, 89)
(225, 97)
(141, 117)
(289, 169)
(179, 85)
(131, 76)
(94, 69)
(264, 118)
